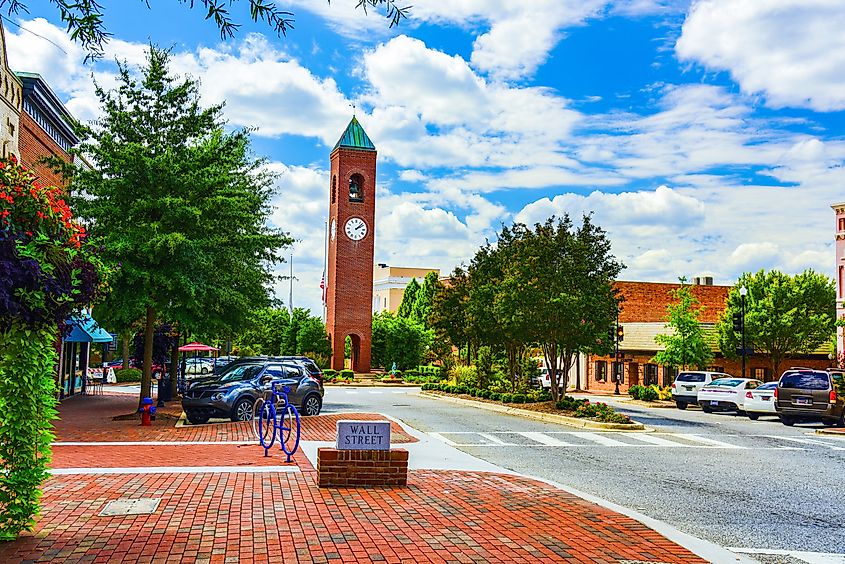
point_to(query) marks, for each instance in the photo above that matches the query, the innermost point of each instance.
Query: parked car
(199, 365)
(687, 384)
(233, 392)
(726, 394)
(760, 401)
(803, 395)
(222, 361)
(118, 363)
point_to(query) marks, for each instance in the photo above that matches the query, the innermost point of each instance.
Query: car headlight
(217, 397)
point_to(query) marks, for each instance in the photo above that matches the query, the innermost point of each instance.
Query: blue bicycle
(277, 416)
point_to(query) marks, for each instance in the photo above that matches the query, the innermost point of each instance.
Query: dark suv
(804, 394)
(233, 392)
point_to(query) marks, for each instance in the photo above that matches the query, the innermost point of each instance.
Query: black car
(233, 392)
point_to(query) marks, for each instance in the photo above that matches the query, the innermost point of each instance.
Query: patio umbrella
(197, 347)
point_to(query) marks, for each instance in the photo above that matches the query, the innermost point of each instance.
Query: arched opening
(352, 352)
(334, 189)
(356, 188)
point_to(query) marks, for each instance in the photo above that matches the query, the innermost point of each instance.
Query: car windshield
(805, 380)
(726, 382)
(690, 377)
(241, 372)
(767, 386)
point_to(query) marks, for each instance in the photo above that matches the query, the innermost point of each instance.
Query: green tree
(312, 340)
(449, 314)
(85, 20)
(784, 315)
(290, 338)
(558, 287)
(409, 298)
(180, 205)
(398, 339)
(685, 345)
(264, 332)
(425, 299)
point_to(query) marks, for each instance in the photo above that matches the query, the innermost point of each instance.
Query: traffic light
(611, 334)
(620, 333)
(737, 319)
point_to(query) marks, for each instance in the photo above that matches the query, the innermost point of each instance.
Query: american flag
(323, 286)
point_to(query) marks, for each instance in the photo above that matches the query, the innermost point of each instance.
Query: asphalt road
(724, 478)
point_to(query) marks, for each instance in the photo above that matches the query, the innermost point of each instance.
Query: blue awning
(83, 329)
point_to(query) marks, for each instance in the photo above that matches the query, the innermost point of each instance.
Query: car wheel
(204, 370)
(829, 422)
(242, 410)
(740, 412)
(312, 405)
(681, 405)
(753, 416)
(196, 417)
(788, 421)
(706, 409)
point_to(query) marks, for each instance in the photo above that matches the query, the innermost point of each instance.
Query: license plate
(689, 388)
(714, 402)
(803, 401)
(766, 398)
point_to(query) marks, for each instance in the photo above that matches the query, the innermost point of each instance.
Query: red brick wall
(35, 144)
(647, 301)
(349, 294)
(347, 468)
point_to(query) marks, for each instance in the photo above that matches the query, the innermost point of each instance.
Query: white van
(687, 384)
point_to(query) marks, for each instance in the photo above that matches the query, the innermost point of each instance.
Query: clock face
(334, 229)
(355, 228)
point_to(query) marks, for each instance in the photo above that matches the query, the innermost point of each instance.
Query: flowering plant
(48, 269)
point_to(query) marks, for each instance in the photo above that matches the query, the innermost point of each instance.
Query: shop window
(669, 374)
(715, 368)
(764, 374)
(356, 188)
(619, 371)
(650, 374)
(601, 371)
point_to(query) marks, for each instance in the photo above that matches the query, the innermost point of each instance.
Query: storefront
(75, 352)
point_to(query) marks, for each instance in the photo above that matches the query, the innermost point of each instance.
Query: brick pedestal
(352, 468)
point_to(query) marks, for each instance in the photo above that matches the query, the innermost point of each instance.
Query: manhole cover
(130, 507)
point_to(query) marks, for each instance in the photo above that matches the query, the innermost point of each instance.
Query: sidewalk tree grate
(119, 507)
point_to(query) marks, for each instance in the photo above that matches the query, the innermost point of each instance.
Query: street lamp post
(743, 291)
(616, 363)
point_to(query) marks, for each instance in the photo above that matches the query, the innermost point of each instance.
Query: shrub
(636, 391)
(601, 412)
(473, 392)
(465, 376)
(664, 393)
(518, 398)
(567, 403)
(649, 394)
(346, 374)
(123, 375)
(507, 398)
(544, 396)
(495, 396)
(329, 374)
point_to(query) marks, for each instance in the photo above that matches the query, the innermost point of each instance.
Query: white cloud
(791, 51)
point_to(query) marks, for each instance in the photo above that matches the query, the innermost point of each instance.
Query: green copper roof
(355, 137)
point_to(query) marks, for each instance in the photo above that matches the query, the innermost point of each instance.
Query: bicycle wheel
(256, 416)
(289, 430)
(267, 425)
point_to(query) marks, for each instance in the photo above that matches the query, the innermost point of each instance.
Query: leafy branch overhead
(85, 18)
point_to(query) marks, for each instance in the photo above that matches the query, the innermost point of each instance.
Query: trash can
(165, 392)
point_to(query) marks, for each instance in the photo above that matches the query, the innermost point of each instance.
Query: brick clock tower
(352, 213)
(840, 276)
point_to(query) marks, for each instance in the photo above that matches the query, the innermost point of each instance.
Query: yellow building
(389, 283)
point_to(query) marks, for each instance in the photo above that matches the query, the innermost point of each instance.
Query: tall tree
(449, 315)
(784, 315)
(312, 340)
(685, 345)
(409, 298)
(180, 204)
(398, 339)
(290, 338)
(425, 297)
(85, 20)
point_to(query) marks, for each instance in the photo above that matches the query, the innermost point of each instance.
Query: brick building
(643, 317)
(11, 100)
(45, 129)
(839, 209)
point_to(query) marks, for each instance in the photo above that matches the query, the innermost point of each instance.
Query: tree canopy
(180, 205)
(686, 344)
(86, 20)
(398, 339)
(784, 315)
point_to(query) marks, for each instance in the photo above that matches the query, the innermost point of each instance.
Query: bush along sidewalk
(650, 393)
(572, 407)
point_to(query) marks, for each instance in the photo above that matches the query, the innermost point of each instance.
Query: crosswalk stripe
(807, 442)
(657, 441)
(351, 391)
(375, 392)
(440, 437)
(705, 441)
(544, 439)
(601, 439)
(493, 439)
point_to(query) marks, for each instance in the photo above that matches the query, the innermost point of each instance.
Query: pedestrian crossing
(583, 439)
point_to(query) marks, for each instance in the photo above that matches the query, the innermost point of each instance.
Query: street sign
(112, 346)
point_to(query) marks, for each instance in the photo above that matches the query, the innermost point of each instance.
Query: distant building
(389, 283)
(46, 129)
(840, 276)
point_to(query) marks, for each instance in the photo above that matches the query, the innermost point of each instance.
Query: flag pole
(324, 282)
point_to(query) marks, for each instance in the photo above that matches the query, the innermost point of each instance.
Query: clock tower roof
(355, 138)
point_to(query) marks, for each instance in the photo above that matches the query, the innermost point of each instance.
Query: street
(724, 478)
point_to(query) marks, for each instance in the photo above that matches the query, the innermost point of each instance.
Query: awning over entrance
(85, 330)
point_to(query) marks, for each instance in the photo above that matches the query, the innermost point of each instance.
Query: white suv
(686, 385)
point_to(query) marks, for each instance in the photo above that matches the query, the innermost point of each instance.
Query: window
(842, 223)
(619, 371)
(356, 188)
(669, 374)
(601, 371)
(334, 189)
(841, 280)
(806, 380)
(691, 377)
(716, 368)
(761, 373)
(650, 374)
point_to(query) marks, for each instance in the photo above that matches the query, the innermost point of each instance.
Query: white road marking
(657, 441)
(806, 441)
(601, 439)
(375, 392)
(544, 439)
(351, 391)
(495, 440)
(440, 437)
(810, 557)
(705, 441)
(175, 470)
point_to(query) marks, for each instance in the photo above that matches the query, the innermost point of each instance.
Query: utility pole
(290, 297)
(742, 293)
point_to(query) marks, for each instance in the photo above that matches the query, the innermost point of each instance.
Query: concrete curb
(539, 416)
(832, 432)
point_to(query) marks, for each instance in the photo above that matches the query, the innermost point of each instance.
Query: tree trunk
(146, 377)
(174, 368)
(125, 345)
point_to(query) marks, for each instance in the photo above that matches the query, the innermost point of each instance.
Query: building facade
(839, 209)
(352, 213)
(643, 317)
(389, 283)
(11, 104)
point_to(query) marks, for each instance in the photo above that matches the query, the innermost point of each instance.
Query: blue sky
(706, 137)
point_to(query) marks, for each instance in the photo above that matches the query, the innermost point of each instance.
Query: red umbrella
(197, 347)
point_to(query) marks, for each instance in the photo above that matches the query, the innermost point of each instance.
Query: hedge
(123, 375)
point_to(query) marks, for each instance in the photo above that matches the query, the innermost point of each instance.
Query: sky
(705, 137)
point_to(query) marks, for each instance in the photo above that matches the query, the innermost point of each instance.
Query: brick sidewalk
(235, 516)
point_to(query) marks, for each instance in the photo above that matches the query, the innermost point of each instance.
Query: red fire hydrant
(147, 411)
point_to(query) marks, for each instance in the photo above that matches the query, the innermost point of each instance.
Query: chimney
(708, 281)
